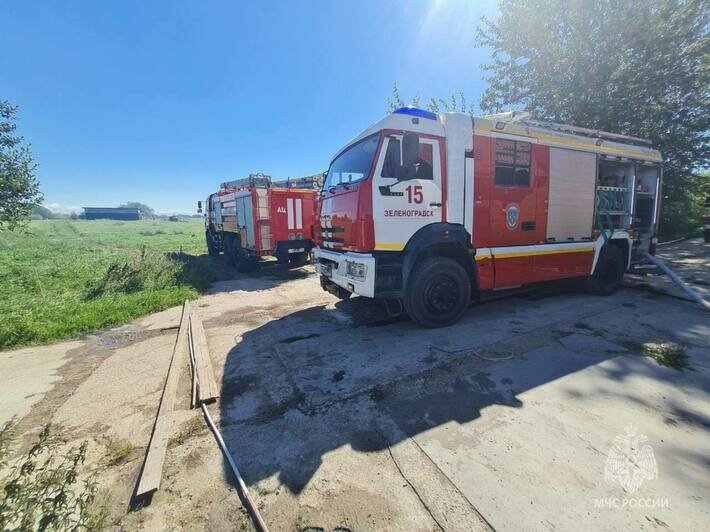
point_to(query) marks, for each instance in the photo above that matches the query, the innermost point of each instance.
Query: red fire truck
(434, 210)
(251, 218)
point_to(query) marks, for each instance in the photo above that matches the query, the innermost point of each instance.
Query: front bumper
(333, 265)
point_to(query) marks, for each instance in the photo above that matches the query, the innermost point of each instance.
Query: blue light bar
(413, 111)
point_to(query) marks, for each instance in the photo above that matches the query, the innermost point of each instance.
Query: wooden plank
(206, 385)
(153, 465)
(193, 370)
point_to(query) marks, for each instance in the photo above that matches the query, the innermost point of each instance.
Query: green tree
(639, 67)
(455, 104)
(19, 189)
(148, 212)
(43, 213)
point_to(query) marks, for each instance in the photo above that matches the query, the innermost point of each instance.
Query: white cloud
(59, 208)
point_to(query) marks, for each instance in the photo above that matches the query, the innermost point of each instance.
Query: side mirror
(199, 207)
(410, 156)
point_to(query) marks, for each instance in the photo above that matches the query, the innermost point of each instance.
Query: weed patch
(193, 427)
(152, 270)
(120, 455)
(667, 354)
(43, 489)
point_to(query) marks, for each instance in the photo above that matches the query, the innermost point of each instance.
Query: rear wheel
(245, 262)
(212, 248)
(609, 272)
(438, 292)
(298, 259)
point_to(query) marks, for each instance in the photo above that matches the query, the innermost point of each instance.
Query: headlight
(356, 269)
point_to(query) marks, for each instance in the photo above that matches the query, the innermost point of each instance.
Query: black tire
(233, 251)
(282, 260)
(247, 265)
(438, 292)
(707, 236)
(227, 248)
(608, 273)
(298, 259)
(244, 261)
(212, 249)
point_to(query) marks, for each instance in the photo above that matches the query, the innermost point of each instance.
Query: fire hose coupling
(356, 270)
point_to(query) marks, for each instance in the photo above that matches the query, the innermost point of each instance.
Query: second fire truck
(435, 210)
(251, 218)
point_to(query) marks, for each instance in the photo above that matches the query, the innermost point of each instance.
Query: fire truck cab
(435, 210)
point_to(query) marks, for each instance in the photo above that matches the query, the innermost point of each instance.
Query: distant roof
(122, 210)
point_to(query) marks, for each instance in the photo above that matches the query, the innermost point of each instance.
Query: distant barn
(112, 213)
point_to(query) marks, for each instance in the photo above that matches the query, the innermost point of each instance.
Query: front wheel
(609, 272)
(707, 236)
(438, 292)
(212, 248)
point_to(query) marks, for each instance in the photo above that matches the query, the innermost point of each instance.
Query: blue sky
(159, 102)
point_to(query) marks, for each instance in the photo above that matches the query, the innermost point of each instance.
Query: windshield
(353, 164)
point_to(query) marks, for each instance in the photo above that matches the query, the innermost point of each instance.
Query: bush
(42, 490)
(153, 270)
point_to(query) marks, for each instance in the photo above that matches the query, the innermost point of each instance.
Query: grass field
(64, 277)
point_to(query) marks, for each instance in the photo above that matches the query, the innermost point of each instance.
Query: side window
(513, 163)
(392, 166)
(393, 158)
(425, 165)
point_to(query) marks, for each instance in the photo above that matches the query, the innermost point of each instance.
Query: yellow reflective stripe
(382, 246)
(514, 254)
(386, 246)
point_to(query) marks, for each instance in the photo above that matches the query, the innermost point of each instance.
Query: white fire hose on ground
(677, 280)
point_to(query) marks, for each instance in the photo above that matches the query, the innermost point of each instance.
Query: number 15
(414, 194)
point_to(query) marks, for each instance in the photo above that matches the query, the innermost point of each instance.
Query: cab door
(402, 206)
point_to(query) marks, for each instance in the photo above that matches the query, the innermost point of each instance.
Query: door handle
(434, 204)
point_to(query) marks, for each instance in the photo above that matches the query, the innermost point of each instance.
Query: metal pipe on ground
(251, 506)
(677, 280)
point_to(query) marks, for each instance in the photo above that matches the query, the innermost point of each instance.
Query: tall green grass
(60, 278)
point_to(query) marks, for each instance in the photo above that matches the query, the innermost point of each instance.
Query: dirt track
(341, 417)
